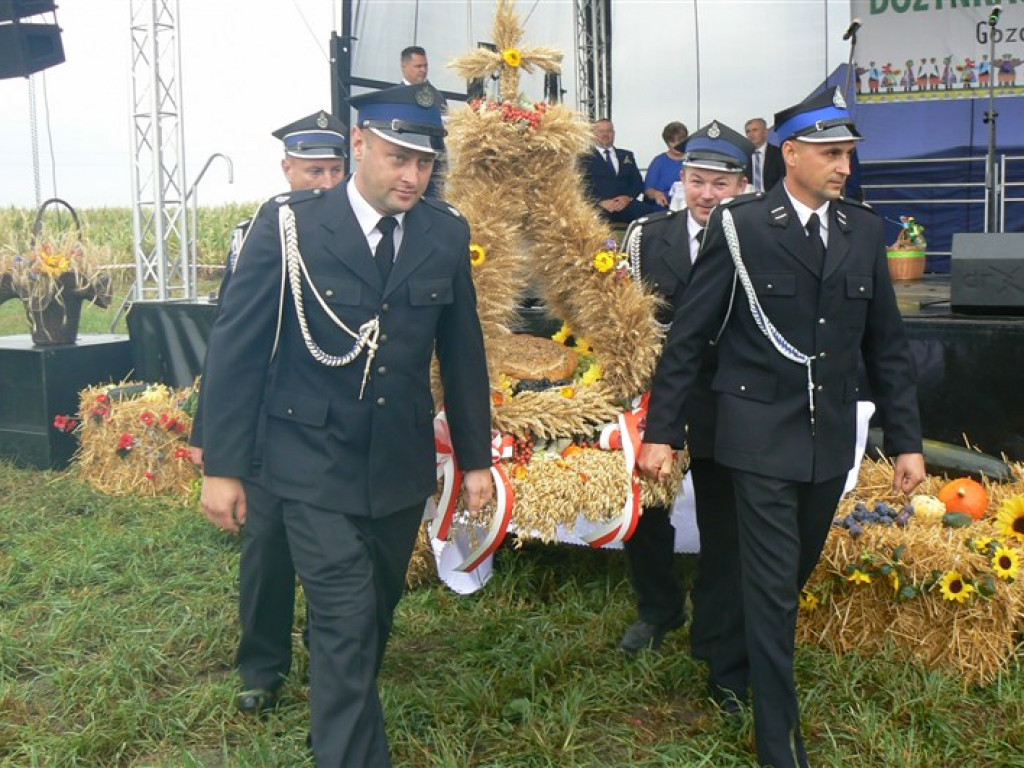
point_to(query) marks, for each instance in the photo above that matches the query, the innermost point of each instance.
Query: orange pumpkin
(965, 495)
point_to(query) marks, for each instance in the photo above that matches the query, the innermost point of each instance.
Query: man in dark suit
(794, 290)
(662, 249)
(766, 166)
(314, 157)
(320, 362)
(612, 178)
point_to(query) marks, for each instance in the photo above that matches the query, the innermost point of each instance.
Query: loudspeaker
(552, 88)
(19, 9)
(987, 275)
(28, 48)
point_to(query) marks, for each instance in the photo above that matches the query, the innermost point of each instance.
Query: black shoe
(642, 634)
(731, 704)
(256, 701)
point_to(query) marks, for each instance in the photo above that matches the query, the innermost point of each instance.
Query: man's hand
(908, 472)
(478, 487)
(656, 460)
(223, 503)
(195, 455)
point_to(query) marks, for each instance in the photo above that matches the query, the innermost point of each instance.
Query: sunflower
(808, 601)
(477, 255)
(512, 57)
(953, 587)
(859, 577)
(569, 392)
(604, 261)
(1011, 517)
(593, 374)
(894, 579)
(982, 543)
(583, 347)
(563, 333)
(1006, 563)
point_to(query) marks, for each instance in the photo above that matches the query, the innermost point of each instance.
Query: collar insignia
(837, 99)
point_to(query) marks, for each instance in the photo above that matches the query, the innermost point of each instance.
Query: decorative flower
(563, 333)
(859, 577)
(1006, 563)
(604, 261)
(982, 543)
(150, 476)
(569, 392)
(583, 347)
(512, 57)
(181, 453)
(808, 601)
(148, 418)
(1011, 517)
(126, 441)
(477, 254)
(894, 579)
(592, 375)
(953, 587)
(65, 423)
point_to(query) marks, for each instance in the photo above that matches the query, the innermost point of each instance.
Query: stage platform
(970, 367)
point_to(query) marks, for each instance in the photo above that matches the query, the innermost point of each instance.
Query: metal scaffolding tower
(159, 211)
(593, 58)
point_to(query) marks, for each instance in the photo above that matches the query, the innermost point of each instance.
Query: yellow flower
(477, 255)
(512, 57)
(604, 261)
(859, 577)
(569, 392)
(583, 347)
(894, 579)
(953, 587)
(981, 543)
(808, 601)
(563, 333)
(54, 264)
(593, 374)
(1011, 517)
(1006, 563)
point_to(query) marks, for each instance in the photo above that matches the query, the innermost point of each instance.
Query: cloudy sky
(250, 66)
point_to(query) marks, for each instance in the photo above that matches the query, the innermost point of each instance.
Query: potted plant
(907, 254)
(52, 278)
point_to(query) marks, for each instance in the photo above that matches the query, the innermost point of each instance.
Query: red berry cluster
(513, 113)
(522, 450)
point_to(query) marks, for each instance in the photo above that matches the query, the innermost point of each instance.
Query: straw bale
(973, 640)
(155, 460)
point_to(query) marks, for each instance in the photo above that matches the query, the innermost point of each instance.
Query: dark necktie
(699, 237)
(385, 253)
(758, 173)
(608, 158)
(817, 246)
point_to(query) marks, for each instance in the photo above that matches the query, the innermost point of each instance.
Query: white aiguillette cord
(365, 338)
(773, 335)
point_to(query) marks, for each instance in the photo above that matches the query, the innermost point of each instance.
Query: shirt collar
(366, 214)
(804, 212)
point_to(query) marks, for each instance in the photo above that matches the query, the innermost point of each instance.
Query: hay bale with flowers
(938, 587)
(513, 174)
(134, 439)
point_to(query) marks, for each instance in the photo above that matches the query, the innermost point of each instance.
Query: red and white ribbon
(449, 475)
(625, 434)
(504, 501)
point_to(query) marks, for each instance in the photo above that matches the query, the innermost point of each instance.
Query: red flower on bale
(148, 418)
(181, 453)
(65, 423)
(124, 445)
(150, 475)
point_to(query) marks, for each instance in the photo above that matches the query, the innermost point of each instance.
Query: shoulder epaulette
(858, 204)
(651, 218)
(444, 206)
(732, 202)
(299, 196)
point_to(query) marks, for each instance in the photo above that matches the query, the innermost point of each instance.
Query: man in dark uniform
(662, 248)
(612, 178)
(314, 153)
(324, 344)
(794, 289)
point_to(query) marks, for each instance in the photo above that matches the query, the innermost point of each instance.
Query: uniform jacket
(323, 445)
(774, 167)
(603, 183)
(665, 269)
(849, 311)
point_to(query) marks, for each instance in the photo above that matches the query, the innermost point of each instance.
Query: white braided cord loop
(765, 325)
(365, 337)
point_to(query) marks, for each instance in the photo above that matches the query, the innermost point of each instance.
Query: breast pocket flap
(429, 291)
(298, 408)
(751, 385)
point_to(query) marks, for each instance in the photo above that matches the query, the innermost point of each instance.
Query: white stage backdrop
(937, 49)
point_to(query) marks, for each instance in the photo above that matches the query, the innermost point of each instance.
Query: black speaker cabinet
(987, 275)
(28, 48)
(38, 383)
(19, 9)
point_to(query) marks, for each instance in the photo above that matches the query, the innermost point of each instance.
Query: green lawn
(118, 625)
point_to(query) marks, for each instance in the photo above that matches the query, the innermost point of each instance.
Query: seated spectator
(612, 178)
(664, 171)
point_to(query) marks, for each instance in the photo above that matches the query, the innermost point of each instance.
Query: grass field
(118, 623)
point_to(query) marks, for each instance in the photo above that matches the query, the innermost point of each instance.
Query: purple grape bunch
(882, 513)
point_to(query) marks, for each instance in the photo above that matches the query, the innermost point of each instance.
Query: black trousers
(266, 593)
(782, 529)
(353, 571)
(716, 635)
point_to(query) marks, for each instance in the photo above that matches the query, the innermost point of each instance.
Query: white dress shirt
(367, 216)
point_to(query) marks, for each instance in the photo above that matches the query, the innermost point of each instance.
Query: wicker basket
(905, 266)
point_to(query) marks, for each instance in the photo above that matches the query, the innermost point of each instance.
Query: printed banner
(908, 50)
